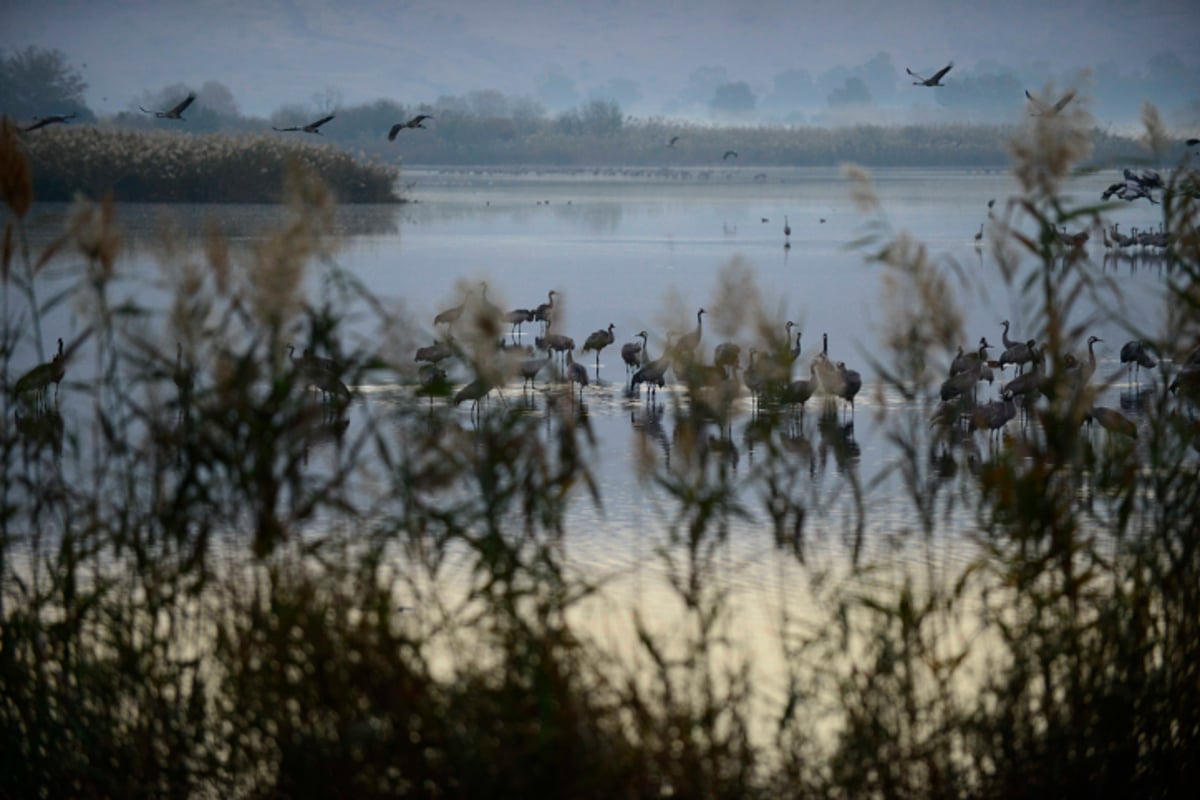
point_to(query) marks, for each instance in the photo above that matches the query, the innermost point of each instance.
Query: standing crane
(599, 340)
(38, 379)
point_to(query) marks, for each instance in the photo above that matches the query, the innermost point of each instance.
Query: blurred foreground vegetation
(211, 583)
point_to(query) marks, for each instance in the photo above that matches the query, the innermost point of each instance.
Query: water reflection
(40, 429)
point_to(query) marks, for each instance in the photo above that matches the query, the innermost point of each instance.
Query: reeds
(212, 582)
(151, 166)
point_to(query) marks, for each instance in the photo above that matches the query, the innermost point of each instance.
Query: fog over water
(819, 62)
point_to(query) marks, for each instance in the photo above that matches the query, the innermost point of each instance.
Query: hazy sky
(276, 52)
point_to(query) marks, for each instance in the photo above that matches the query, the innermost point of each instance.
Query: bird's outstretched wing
(416, 121)
(399, 126)
(937, 76)
(183, 104)
(915, 75)
(1066, 98)
(1042, 107)
(41, 122)
(312, 126)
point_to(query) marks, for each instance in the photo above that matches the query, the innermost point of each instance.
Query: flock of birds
(765, 375)
(1039, 107)
(960, 410)
(176, 112)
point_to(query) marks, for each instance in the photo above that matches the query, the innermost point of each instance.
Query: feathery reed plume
(216, 251)
(16, 178)
(1048, 146)
(862, 192)
(93, 228)
(1155, 138)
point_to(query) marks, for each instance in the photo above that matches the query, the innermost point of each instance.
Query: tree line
(488, 127)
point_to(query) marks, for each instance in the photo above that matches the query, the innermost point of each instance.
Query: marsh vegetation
(213, 584)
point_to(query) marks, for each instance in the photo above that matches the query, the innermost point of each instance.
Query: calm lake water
(645, 251)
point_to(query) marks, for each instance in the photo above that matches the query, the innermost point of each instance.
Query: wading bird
(576, 373)
(994, 415)
(1015, 351)
(632, 353)
(544, 313)
(1112, 421)
(799, 391)
(309, 128)
(415, 122)
(726, 356)
(41, 122)
(599, 340)
(175, 112)
(685, 345)
(432, 380)
(934, 81)
(1135, 354)
(970, 361)
(38, 379)
(516, 318)
(851, 383)
(435, 352)
(1042, 108)
(529, 369)
(652, 373)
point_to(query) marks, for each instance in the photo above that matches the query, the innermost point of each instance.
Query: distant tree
(733, 98)
(853, 92)
(369, 122)
(35, 82)
(596, 118)
(527, 113)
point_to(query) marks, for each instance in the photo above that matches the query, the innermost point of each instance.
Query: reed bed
(159, 166)
(211, 584)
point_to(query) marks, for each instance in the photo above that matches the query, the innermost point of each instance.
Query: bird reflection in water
(647, 421)
(39, 428)
(795, 441)
(837, 438)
